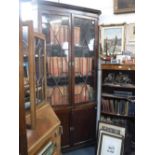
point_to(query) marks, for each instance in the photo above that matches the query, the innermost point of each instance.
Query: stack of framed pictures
(110, 139)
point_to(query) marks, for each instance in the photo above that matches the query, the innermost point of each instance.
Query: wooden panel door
(56, 27)
(84, 59)
(64, 117)
(83, 124)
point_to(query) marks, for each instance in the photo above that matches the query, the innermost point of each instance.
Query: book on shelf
(111, 105)
(55, 70)
(77, 66)
(84, 66)
(116, 105)
(90, 65)
(64, 66)
(60, 65)
(76, 35)
(131, 108)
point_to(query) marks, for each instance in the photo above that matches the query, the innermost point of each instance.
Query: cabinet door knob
(60, 130)
(71, 128)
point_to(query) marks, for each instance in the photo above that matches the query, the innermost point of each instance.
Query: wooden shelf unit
(111, 99)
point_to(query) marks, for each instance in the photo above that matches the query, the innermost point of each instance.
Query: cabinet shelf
(118, 85)
(115, 114)
(118, 67)
(116, 96)
(36, 56)
(57, 81)
(64, 80)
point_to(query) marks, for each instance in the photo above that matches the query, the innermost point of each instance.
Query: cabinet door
(56, 27)
(84, 59)
(64, 116)
(83, 124)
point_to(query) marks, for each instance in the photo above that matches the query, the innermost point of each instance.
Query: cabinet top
(118, 66)
(67, 6)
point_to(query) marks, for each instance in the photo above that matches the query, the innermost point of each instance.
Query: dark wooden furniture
(39, 124)
(117, 99)
(72, 50)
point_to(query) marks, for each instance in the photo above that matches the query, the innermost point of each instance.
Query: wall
(106, 6)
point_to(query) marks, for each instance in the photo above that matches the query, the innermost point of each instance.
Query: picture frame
(110, 144)
(113, 129)
(112, 39)
(124, 6)
(130, 37)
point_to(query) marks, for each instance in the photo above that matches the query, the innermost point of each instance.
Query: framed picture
(110, 144)
(124, 6)
(113, 129)
(111, 39)
(130, 37)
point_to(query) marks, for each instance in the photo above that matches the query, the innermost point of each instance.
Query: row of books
(115, 106)
(58, 66)
(59, 95)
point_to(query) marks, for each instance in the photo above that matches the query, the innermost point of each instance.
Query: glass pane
(39, 69)
(26, 67)
(56, 29)
(84, 36)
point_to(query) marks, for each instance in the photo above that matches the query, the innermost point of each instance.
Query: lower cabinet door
(64, 116)
(83, 127)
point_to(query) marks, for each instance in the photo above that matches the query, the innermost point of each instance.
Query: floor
(82, 151)
(86, 151)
